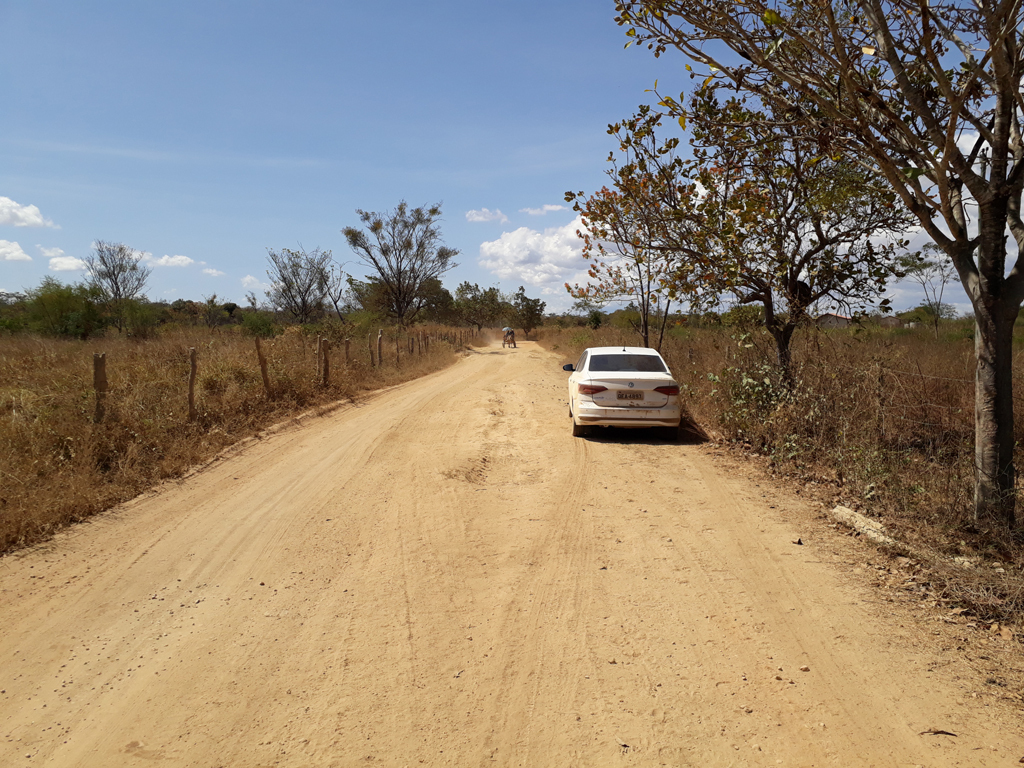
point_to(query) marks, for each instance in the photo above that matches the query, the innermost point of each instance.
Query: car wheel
(578, 430)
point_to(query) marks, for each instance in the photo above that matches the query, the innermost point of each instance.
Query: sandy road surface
(442, 575)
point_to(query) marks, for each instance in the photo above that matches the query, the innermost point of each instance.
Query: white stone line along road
(442, 575)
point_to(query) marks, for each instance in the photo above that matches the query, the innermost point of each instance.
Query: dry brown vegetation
(882, 420)
(57, 466)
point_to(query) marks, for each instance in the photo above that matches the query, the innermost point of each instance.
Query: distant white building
(829, 320)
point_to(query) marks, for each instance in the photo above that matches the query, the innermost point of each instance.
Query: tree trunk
(663, 323)
(783, 336)
(994, 492)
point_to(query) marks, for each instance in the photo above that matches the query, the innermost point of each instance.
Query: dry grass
(57, 467)
(882, 421)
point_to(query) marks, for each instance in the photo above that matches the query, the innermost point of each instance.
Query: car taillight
(674, 390)
(591, 389)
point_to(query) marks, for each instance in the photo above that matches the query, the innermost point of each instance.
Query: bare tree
(299, 282)
(933, 275)
(926, 96)
(116, 272)
(336, 284)
(405, 251)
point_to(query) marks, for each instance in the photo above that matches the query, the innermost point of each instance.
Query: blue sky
(205, 133)
(213, 131)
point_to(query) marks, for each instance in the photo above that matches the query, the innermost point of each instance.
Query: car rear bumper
(667, 416)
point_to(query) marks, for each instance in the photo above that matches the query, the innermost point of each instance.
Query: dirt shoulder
(442, 575)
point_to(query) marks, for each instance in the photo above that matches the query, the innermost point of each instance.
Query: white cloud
(213, 272)
(14, 214)
(545, 259)
(12, 252)
(254, 284)
(548, 208)
(168, 261)
(59, 262)
(66, 263)
(486, 215)
(966, 141)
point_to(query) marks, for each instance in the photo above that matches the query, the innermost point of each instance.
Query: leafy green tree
(13, 311)
(141, 318)
(529, 312)
(404, 250)
(367, 295)
(57, 309)
(438, 304)
(256, 322)
(186, 310)
(926, 97)
(478, 306)
(753, 215)
(784, 226)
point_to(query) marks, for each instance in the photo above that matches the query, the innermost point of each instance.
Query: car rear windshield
(627, 364)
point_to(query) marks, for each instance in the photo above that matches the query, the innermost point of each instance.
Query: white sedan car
(622, 387)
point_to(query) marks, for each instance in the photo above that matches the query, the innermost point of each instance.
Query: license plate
(629, 395)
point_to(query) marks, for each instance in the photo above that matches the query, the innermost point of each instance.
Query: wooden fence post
(380, 347)
(347, 357)
(369, 343)
(99, 383)
(263, 368)
(192, 383)
(325, 349)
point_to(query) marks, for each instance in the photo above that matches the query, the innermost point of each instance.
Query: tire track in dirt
(559, 563)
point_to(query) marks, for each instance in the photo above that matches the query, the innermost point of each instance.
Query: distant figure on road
(509, 339)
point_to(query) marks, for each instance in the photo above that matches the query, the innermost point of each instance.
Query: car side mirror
(568, 367)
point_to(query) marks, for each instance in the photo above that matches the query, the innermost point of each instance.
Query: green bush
(56, 309)
(260, 324)
(140, 319)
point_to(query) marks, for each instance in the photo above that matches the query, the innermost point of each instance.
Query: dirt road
(442, 575)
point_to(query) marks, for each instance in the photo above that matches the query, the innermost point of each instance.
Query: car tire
(578, 430)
